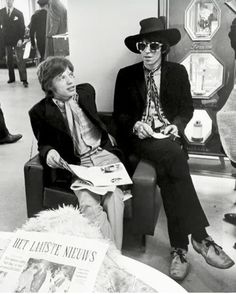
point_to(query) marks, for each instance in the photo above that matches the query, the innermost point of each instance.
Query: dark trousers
(3, 128)
(182, 207)
(41, 48)
(19, 60)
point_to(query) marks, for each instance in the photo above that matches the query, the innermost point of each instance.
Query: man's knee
(114, 199)
(87, 198)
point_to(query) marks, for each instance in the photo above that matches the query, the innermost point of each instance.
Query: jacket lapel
(13, 14)
(54, 116)
(163, 84)
(140, 81)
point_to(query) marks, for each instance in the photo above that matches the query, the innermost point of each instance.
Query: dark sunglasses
(154, 46)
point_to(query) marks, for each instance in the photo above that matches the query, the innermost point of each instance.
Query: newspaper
(113, 174)
(159, 135)
(5, 238)
(47, 262)
(99, 179)
(81, 185)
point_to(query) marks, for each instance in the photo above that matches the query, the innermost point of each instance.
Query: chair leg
(222, 161)
(143, 243)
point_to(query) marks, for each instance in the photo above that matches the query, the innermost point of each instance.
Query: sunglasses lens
(141, 46)
(154, 46)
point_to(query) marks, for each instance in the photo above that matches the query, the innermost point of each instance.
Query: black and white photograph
(118, 125)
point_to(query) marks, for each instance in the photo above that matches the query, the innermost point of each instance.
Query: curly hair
(50, 68)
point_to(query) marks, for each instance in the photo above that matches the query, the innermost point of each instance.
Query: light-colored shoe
(179, 264)
(213, 253)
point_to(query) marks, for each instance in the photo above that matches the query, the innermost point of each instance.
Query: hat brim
(170, 36)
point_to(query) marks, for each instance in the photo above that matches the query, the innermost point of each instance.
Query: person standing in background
(38, 28)
(5, 136)
(13, 28)
(56, 24)
(226, 122)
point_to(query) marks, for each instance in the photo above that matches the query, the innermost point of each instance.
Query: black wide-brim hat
(153, 29)
(42, 2)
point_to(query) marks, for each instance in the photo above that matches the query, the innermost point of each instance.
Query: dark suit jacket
(38, 29)
(130, 96)
(52, 132)
(13, 28)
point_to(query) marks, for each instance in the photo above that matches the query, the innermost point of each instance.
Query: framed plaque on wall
(206, 53)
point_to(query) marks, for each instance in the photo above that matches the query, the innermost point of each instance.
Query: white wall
(97, 29)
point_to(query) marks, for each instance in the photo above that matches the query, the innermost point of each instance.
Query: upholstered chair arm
(146, 197)
(34, 185)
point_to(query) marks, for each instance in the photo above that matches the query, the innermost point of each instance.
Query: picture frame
(206, 73)
(202, 19)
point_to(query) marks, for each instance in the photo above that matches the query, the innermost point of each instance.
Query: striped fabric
(86, 135)
(153, 114)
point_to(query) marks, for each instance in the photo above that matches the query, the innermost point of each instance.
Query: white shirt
(11, 9)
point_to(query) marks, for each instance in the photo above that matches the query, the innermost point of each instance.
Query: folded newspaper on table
(100, 179)
(47, 262)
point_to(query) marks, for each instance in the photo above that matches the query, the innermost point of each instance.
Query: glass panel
(202, 19)
(205, 72)
(199, 128)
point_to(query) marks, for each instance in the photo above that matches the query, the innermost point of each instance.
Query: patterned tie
(153, 114)
(8, 12)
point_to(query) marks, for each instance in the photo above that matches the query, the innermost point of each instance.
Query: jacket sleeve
(185, 107)
(123, 108)
(32, 30)
(21, 26)
(38, 127)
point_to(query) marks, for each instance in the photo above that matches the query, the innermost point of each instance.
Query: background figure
(226, 121)
(56, 24)
(26, 278)
(13, 28)
(5, 136)
(38, 28)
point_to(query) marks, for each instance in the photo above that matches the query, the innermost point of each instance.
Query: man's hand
(19, 43)
(54, 159)
(171, 129)
(143, 130)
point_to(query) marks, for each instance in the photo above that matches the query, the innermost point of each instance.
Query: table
(154, 278)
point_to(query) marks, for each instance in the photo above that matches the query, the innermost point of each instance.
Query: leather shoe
(213, 253)
(231, 218)
(10, 81)
(10, 139)
(25, 84)
(179, 264)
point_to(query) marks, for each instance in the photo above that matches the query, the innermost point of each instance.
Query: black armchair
(43, 192)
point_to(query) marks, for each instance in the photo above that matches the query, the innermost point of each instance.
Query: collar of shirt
(61, 104)
(156, 76)
(155, 71)
(11, 9)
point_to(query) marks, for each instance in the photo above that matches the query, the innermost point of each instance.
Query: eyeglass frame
(148, 44)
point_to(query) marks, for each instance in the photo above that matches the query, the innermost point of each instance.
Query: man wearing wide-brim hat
(152, 107)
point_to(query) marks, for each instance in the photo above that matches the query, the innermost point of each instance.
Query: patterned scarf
(153, 114)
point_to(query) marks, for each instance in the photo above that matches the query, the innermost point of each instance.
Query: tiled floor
(216, 194)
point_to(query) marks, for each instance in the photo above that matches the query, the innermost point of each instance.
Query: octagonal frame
(199, 72)
(205, 23)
